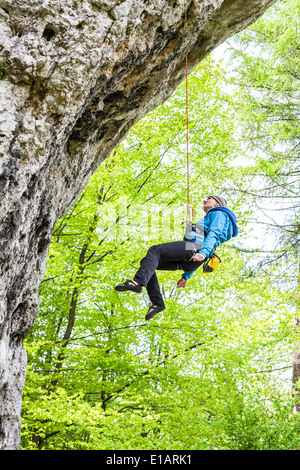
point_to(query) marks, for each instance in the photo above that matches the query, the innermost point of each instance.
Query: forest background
(218, 369)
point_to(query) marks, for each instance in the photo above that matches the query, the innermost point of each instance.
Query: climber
(218, 226)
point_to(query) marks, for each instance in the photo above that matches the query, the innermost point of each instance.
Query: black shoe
(129, 285)
(154, 310)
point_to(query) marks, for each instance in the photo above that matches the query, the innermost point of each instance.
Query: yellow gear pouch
(211, 264)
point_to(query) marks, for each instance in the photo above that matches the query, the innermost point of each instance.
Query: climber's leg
(159, 255)
(156, 299)
(167, 257)
(129, 284)
(153, 288)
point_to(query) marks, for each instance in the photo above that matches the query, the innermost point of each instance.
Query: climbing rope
(190, 211)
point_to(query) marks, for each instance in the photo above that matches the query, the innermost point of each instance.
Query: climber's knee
(154, 248)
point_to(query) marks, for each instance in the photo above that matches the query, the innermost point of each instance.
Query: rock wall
(74, 77)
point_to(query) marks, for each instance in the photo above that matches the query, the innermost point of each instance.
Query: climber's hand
(182, 282)
(198, 257)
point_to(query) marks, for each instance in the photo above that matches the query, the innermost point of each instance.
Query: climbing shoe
(154, 310)
(129, 285)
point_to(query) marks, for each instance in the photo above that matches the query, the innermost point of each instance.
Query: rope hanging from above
(190, 211)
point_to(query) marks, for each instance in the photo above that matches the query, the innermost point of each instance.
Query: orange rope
(187, 142)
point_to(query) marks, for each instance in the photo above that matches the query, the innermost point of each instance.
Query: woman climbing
(218, 226)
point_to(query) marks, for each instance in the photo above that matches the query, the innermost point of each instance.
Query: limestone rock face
(74, 77)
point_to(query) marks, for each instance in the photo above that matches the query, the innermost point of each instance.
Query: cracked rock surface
(74, 77)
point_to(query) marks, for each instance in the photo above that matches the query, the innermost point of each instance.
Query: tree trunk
(296, 350)
(74, 77)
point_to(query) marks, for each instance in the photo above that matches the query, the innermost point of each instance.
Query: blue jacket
(219, 225)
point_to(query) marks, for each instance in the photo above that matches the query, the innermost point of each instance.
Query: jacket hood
(231, 216)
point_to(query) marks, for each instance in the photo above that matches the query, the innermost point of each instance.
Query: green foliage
(266, 81)
(99, 376)
(256, 420)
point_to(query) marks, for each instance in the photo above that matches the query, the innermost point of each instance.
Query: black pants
(165, 257)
